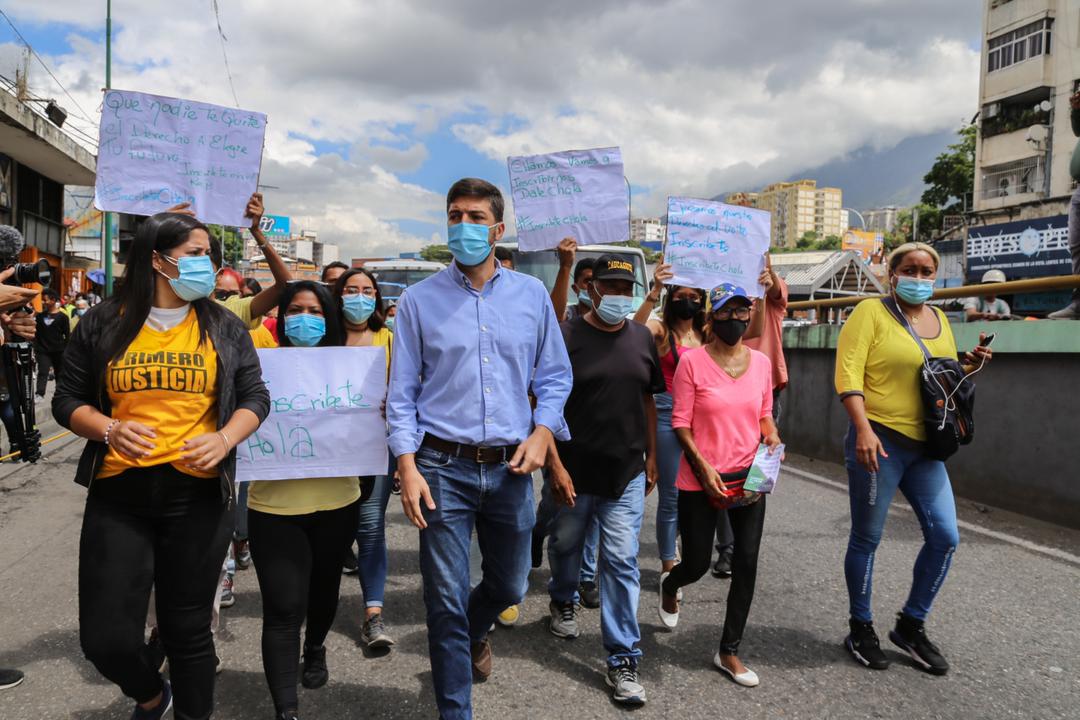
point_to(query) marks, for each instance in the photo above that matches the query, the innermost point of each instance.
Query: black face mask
(730, 330)
(685, 308)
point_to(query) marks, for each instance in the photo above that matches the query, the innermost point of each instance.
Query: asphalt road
(1007, 620)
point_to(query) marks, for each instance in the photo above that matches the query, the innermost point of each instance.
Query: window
(1029, 41)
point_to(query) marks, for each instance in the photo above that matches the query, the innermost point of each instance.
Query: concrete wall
(1026, 452)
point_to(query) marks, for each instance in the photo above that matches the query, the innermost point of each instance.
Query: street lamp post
(858, 215)
(107, 235)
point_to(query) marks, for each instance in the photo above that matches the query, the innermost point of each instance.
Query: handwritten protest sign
(155, 152)
(711, 243)
(577, 193)
(325, 415)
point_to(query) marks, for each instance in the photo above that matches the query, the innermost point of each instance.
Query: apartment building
(796, 209)
(1030, 69)
(650, 232)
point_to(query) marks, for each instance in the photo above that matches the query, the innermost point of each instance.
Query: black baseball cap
(614, 267)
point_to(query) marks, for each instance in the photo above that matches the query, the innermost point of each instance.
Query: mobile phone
(989, 339)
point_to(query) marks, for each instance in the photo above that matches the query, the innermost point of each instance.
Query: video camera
(18, 353)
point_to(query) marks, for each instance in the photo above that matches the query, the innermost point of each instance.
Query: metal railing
(1043, 284)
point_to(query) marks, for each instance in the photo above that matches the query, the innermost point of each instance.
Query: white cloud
(702, 95)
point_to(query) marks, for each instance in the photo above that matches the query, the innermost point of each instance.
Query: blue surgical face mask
(914, 291)
(197, 277)
(613, 309)
(305, 330)
(390, 323)
(583, 297)
(468, 242)
(358, 308)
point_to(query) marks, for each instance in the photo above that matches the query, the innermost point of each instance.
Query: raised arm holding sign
(156, 152)
(711, 243)
(578, 193)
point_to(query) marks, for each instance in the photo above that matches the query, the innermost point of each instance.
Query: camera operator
(14, 327)
(11, 324)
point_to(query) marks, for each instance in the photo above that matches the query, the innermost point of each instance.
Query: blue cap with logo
(721, 294)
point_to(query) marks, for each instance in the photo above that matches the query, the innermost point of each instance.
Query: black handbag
(948, 397)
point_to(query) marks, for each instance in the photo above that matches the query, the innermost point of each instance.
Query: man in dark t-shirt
(610, 466)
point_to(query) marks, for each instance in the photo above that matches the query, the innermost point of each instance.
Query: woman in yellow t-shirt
(300, 529)
(877, 377)
(365, 326)
(164, 384)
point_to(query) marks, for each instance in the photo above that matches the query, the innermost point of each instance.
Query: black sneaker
(374, 634)
(910, 636)
(287, 715)
(864, 646)
(314, 674)
(10, 678)
(589, 594)
(722, 568)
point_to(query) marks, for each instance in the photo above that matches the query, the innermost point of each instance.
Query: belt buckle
(479, 458)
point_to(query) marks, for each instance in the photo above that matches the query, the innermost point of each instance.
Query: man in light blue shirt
(469, 344)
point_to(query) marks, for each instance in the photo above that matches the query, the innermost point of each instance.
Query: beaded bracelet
(109, 429)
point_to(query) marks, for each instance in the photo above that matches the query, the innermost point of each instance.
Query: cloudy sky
(376, 106)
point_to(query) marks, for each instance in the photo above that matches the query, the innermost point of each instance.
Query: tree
(807, 241)
(232, 243)
(950, 180)
(832, 242)
(651, 256)
(437, 253)
(929, 225)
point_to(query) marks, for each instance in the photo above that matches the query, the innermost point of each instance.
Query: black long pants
(54, 360)
(298, 561)
(697, 524)
(177, 548)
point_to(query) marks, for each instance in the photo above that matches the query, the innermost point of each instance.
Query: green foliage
(232, 243)
(952, 177)
(437, 253)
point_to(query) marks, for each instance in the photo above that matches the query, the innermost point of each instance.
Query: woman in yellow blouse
(164, 384)
(877, 376)
(299, 530)
(365, 326)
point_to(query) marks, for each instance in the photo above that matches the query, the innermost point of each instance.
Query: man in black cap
(610, 466)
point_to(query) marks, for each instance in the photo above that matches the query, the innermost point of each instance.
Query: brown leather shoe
(481, 660)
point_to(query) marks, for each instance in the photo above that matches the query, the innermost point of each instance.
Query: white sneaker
(670, 620)
(748, 678)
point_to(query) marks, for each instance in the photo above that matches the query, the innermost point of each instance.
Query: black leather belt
(481, 455)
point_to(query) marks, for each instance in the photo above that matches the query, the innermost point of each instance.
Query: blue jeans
(500, 505)
(925, 484)
(620, 580)
(668, 455)
(371, 543)
(546, 512)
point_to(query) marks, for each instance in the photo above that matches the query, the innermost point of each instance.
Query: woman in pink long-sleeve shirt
(723, 409)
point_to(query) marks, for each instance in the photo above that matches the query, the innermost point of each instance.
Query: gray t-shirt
(982, 305)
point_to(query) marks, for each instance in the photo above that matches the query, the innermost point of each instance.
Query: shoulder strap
(898, 315)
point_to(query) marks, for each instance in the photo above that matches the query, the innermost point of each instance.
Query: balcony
(1011, 183)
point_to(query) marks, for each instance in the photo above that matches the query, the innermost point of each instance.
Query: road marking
(1055, 553)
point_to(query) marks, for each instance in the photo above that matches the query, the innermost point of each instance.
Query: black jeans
(153, 528)
(697, 523)
(54, 360)
(298, 561)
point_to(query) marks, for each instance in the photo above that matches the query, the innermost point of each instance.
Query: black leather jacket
(82, 381)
